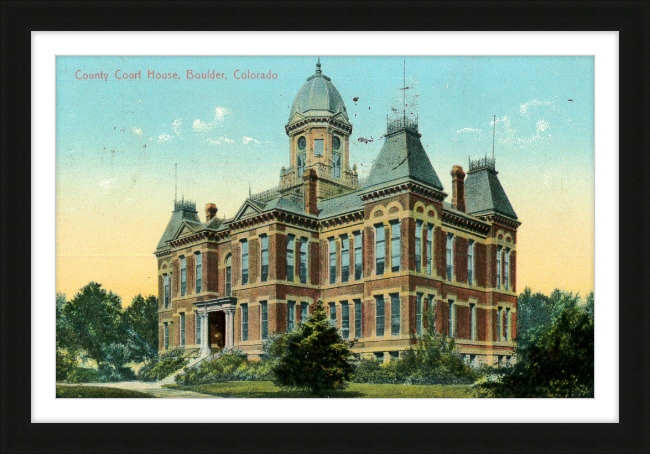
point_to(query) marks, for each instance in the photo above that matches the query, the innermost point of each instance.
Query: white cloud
(176, 125)
(107, 185)
(219, 141)
(542, 125)
(523, 108)
(201, 126)
(204, 126)
(220, 113)
(162, 138)
(137, 132)
(460, 131)
(249, 140)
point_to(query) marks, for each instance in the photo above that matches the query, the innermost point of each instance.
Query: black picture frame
(631, 434)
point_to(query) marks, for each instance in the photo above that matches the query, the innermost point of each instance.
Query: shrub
(65, 364)
(232, 366)
(163, 365)
(83, 375)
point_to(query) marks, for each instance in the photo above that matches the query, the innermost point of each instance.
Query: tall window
(499, 267)
(197, 327)
(332, 248)
(166, 336)
(395, 241)
(318, 147)
(380, 248)
(166, 279)
(358, 256)
(379, 322)
(451, 317)
(291, 315)
(429, 258)
(499, 319)
(336, 165)
(264, 318)
(264, 258)
(507, 322)
(358, 316)
(345, 320)
(228, 275)
(244, 262)
(472, 321)
(395, 314)
(470, 262)
(304, 270)
(345, 258)
(199, 271)
(418, 246)
(290, 260)
(304, 312)
(301, 164)
(432, 306)
(450, 256)
(244, 322)
(418, 313)
(182, 323)
(506, 271)
(333, 314)
(183, 276)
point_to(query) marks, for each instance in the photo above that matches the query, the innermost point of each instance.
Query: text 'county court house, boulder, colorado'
(380, 254)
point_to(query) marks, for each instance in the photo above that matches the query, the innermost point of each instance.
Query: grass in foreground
(96, 392)
(266, 389)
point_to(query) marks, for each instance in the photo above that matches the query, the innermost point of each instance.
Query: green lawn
(268, 389)
(95, 392)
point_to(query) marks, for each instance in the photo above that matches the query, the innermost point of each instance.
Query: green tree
(142, 318)
(316, 357)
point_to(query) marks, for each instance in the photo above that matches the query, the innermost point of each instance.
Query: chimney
(210, 211)
(310, 178)
(458, 188)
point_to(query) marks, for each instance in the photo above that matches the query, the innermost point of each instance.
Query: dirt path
(155, 389)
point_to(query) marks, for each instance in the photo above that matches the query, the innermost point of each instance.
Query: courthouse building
(379, 254)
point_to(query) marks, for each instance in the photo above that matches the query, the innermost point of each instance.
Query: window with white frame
(450, 256)
(470, 262)
(304, 269)
(451, 329)
(244, 262)
(499, 266)
(358, 317)
(358, 256)
(418, 313)
(264, 258)
(166, 283)
(429, 258)
(472, 321)
(244, 322)
(396, 246)
(380, 248)
(432, 311)
(199, 271)
(418, 245)
(291, 315)
(182, 323)
(290, 258)
(183, 276)
(345, 320)
(228, 275)
(197, 327)
(304, 312)
(301, 164)
(379, 319)
(332, 251)
(507, 322)
(333, 314)
(506, 270)
(345, 258)
(336, 165)
(395, 314)
(264, 319)
(166, 336)
(499, 320)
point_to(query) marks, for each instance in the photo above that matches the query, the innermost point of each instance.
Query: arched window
(228, 274)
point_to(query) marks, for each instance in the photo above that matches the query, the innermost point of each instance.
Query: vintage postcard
(325, 226)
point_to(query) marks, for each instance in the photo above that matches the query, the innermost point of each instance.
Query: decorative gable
(249, 208)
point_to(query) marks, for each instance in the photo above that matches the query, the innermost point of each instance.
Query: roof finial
(318, 71)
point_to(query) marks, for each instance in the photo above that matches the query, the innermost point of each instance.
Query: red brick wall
(235, 268)
(281, 316)
(280, 256)
(324, 265)
(210, 270)
(513, 270)
(462, 322)
(481, 324)
(368, 324)
(253, 260)
(191, 270)
(480, 269)
(495, 316)
(441, 252)
(407, 250)
(369, 251)
(442, 317)
(513, 327)
(176, 277)
(408, 314)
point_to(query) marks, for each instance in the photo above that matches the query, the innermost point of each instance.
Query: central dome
(318, 96)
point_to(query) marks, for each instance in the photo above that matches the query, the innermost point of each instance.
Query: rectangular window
(228, 280)
(470, 262)
(418, 246)
(380, 248)
(451, 328)
(264, 308)
(291, 315)
(333, 314)
(431, 310)
(379, 322)
(418, 313)
(499, 267)
(429, 258)
(290, 260)
(318, 147)
(182, 323)
(244, 262)
(244, 322)
(472, 321)
(332, 249)
(358, 316)
(395, 311)
(183, 276)
(166, 279)
(264, 258)
(507, 322)
(394, 356)
(304, 270)
(450, 256)
(499, 318)
(358, 256)
(506, 271)
(304, 312)
(396, 246)
(197, 327)
(199, 271)
(345, 258)
(345, 320)
(166, 336)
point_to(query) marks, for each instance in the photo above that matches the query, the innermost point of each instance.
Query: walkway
(153, 388)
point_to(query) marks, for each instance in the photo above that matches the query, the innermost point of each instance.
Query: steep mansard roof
(402, 157)
(484, 194)
(179, 215)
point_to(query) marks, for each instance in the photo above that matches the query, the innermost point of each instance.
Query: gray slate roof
(484, 194)
(402, 157)
(318, 96)
(178, 217)
(339, 205)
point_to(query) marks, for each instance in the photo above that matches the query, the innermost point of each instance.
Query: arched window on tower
(301, 164)
(336, 165)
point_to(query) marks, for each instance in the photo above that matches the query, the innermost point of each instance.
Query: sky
(118, 141)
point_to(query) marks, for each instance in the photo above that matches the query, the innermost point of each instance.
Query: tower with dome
(381, 255)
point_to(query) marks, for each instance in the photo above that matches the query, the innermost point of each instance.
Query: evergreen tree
(316, 357)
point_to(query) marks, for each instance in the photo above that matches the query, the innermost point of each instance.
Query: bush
(163, 365)
(83, 375)
(65, 364)
(232, 366)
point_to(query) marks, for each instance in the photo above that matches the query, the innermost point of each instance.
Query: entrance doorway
(217, 337)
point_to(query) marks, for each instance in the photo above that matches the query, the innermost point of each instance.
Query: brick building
(379, 254)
